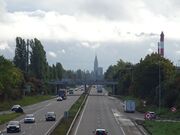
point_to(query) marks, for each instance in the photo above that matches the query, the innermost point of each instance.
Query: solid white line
(123, 131)
(81, 116)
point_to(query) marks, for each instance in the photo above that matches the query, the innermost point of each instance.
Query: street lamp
(159, 87)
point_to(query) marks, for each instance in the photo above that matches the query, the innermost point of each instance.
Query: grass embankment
(162, 128)
(26, 100)
(7, 117)
(65, 123)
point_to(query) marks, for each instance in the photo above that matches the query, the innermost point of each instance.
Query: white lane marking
(122, 131)
(53, 125)
(49, 104)
(81, 116)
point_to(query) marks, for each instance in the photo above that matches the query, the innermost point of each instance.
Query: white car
(100, 132)
(59, 99)
(29, 118)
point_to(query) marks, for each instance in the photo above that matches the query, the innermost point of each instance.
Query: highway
(41, 127)
(102, 111)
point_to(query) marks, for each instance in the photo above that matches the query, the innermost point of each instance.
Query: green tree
(146, 76)
(59, 71)
(38, 60)
(11, 80)
(20, 58)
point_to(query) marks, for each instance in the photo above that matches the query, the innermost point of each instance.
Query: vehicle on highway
(29, 118)
(59, 99)
(17, 109)
(71, 91)
(50, 116)
(100, 132)
(129, 106)
(62, 93)
(99, 89)
(150, 115)
(13, 126)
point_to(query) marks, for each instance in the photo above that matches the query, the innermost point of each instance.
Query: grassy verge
(163, 113)
(64, 125)
(7, 117)
(27, 100)
(162, 128)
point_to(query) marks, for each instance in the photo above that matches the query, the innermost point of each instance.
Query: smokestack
(161, 45)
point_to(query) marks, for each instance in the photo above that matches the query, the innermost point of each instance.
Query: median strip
(66, 124)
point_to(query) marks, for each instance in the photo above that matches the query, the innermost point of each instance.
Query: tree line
(151, 78)
(29, 72)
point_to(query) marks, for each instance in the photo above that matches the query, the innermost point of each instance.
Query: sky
(74, 31)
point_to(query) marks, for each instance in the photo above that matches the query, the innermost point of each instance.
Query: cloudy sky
(73, 31)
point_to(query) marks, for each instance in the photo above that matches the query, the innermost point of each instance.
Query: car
(13, 126)
(17, 109)
(150, 115)
(100, 132)
(59, 99)
(29, 118)
(50, 116)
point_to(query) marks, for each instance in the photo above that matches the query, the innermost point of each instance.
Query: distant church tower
(96, 67)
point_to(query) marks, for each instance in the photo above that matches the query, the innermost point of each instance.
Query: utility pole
(159, 86)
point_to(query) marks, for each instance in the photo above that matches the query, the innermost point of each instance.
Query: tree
(20, 58)
(59, 70)
(38, 60)
(146, 76)
(11, 80)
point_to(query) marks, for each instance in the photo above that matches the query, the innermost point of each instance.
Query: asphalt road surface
(42, 127)
(102, 111)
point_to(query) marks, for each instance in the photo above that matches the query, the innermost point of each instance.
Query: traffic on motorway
(100, 116)
(40, 119)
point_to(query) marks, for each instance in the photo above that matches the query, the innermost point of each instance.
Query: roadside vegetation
(152, 78)
(162, 128)
(24, 101)
(65, 123)
(7, 117)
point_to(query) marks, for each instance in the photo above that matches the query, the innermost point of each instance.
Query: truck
(62, 93)
(99, 88)
(129, 106)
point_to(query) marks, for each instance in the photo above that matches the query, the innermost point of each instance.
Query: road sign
(173, 109)
(147, 115)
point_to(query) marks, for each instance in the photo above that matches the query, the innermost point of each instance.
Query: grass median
(162, 128)
(65, 123)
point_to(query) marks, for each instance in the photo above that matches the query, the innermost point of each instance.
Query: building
(98, 71)
(161, 45)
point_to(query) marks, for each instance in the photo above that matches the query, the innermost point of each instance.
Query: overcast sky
(73, 31)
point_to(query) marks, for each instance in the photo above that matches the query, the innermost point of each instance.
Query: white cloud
(5, 46)
(52, 54)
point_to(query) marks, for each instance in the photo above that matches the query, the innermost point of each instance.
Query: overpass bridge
(69, 82)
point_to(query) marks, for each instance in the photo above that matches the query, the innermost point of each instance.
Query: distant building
(98, 71)
(161, 45)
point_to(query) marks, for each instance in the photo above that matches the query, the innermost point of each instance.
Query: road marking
(81, 116)
(123, 131)
(49, 104)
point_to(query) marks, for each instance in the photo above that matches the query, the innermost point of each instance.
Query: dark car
(13, 126)
(17, 109)
(100, 132)
(50, 116)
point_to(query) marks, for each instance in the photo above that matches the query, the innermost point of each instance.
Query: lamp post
(159, 87)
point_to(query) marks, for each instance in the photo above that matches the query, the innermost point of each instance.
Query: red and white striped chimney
(161, 45)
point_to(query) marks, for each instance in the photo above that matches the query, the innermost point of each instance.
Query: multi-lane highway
(102, 111)
(42, 127)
